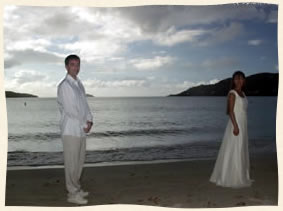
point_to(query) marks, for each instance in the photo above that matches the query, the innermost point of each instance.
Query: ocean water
(135, 129)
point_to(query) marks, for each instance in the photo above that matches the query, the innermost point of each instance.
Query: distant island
(261, 84)
(10, 94)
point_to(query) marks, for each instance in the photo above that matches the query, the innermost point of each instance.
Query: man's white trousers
(74, 158)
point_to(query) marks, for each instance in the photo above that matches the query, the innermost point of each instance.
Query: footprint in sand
(155, 200)
(241, 204)
(211, 204)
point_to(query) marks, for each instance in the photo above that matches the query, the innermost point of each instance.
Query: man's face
(73, 67)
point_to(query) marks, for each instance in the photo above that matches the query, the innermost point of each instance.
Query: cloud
(129, 86)
(117, 59)
(151, 64)
(189, 84)
(94, 51)
(200, 36)
(152, 19)
(95, 83)
(118, 40)
(9, 63)
(50, 22)
(27, 76)
(95, 36)
(39, 88)
(9, 14)
(139, 87)
(213, 81)
(255, 42)
(172, 37)
(218, 63)
(118, 24)
(151, 78)
(222, 34)
(19, 57)
(98, 34)
(273, 17)
(185, 85)
(36, 45)
(31, 81)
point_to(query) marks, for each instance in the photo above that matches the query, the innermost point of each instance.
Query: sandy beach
(183, 184)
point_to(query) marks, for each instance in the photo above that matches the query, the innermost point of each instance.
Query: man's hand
(89, 125)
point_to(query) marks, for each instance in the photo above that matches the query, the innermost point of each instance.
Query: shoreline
(137, 155)
(179, 184)
(105, 164)
(138, 162)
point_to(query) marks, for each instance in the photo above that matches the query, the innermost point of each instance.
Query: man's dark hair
(71, 57)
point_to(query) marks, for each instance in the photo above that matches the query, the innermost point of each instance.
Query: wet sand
(182, 184)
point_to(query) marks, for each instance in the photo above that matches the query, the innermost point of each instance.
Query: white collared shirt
(73, 107)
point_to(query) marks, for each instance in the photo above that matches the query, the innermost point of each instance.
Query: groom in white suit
(75, 123)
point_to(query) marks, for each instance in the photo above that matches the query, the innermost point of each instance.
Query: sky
(137, 51)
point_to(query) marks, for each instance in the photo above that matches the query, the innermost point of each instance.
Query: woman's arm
(231, 103)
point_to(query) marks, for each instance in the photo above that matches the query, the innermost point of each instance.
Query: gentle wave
(24, 158)
(196, 150)
(143, 132)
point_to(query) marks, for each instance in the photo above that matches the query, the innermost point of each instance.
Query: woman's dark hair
(71, 57)
(237, 73)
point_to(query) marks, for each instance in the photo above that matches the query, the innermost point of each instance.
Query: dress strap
(233, 91)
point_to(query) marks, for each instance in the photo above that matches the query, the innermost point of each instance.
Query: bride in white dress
(232, 165)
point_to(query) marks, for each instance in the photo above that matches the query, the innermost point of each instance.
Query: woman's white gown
(232, 165)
